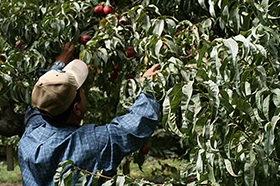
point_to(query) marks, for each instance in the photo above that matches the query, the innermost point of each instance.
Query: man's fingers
(72, 48)
(151, 71)
(154, 67)
(158, 71)
(67, 45)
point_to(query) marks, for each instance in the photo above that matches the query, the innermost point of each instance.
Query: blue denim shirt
(43, 146)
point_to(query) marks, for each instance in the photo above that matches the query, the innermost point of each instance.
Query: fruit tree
(218, 87)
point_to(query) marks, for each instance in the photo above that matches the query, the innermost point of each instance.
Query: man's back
(90, 147)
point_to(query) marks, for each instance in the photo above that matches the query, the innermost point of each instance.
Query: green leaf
(159, 26)
(158, 47)
(77, 6)
(272, 31)
(245, 46)
(269, 135)
(262, 159)
(146, 22)
(67, 177)
(202, 4)
(227, 105)
(7, 77)
(211, 174)
(55, 24)
(261, 50)
(214, 96)
(235, 17)
(175, 96)
(249, 168)
(276, 97)
(171, 45)
(199, 162)
(120, 180)
(153, 8)
(170, 104)
(202, 51)
(211, 8)
(187, 91)
(58, 179)
(85, 56)
(232, 50)
(265, 107)
(14, 93)
(195, 108)
(245, 107)
(229, 168)
(215, 61)
(171, 25)
(81, 181)
(27, 96)
(258, 98)
(102, 53)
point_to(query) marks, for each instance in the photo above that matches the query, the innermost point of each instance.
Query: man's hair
(60, 119)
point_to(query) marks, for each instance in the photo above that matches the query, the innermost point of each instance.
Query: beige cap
(56, 89)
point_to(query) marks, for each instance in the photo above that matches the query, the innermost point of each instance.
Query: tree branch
(12, 123)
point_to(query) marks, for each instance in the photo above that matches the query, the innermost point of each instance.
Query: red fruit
(108, 9)
(117, 16)
(191, 55)
(99, 9)
(19, 44)
(116, 68)
(89, 67)
(199, 32)
(125, 21)
(130, 51)
(85, 38)
(144, 149)
(2, 58)
(211, 38)
(114, 75)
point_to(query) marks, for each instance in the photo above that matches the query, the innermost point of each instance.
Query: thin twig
(92, 173)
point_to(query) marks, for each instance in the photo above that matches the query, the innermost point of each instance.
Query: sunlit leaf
(158, 47)
(276, 97)
(249, 168)
(269, 135)
(229, 168)
(262, 160)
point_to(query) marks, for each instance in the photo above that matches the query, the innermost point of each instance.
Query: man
(53, 133)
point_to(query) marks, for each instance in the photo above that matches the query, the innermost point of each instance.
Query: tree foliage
(219, 80)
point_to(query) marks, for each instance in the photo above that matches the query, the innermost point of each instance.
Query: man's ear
(76, 109)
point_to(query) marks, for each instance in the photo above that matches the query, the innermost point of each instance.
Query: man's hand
(67, 53)
(151, 71)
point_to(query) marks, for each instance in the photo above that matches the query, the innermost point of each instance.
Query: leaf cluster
(219, 79)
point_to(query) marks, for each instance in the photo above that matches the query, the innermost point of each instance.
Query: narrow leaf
(158, 47)
(229, 168)
(249, 168)
(159, 27)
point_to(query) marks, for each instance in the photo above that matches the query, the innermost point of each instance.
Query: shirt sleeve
(127, 133)
(54, 67)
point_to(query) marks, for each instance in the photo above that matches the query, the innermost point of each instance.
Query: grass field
(156, 170)
(9, 176)
(153, 170)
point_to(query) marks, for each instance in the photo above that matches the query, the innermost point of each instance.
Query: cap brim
(79, 70)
